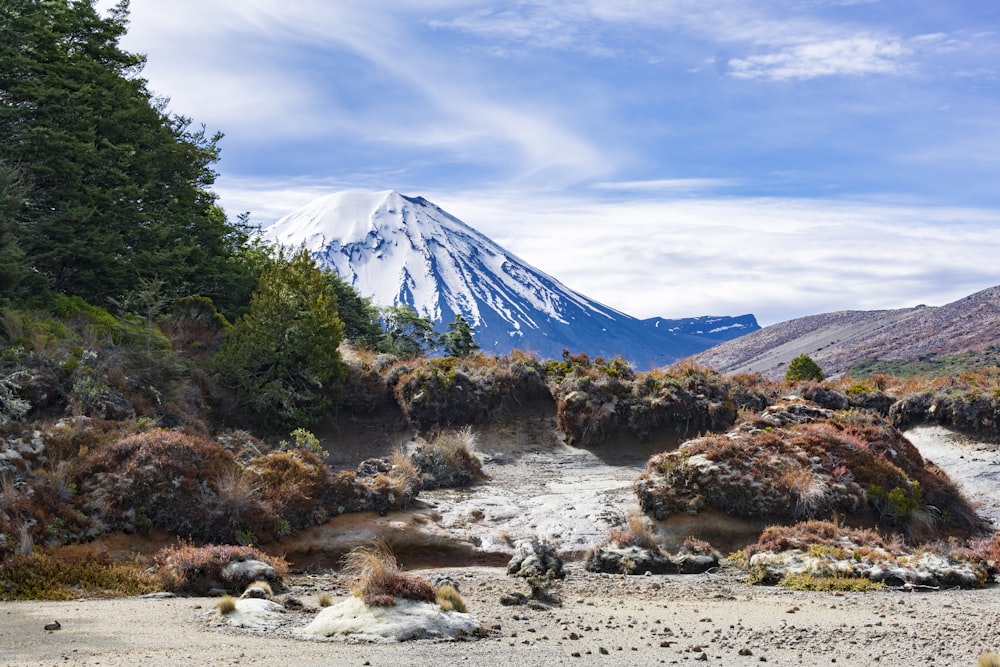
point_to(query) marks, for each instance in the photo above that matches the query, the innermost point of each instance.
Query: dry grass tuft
(637, 534)
(449, 599)
(226, 605)
(988, 659)
(325, 600)
(262, 585)
(378, 579)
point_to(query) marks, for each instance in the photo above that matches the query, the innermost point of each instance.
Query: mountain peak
(403, 250)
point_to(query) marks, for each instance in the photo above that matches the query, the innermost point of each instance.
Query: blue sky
(673, 158)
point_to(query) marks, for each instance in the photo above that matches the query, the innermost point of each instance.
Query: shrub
(448, 461)
(188, 485)
(294, 483)
(806, 582)
(71, 572)
(853, 464)
(186, 568)
(803, 367)
(282, 357)
(378, 579)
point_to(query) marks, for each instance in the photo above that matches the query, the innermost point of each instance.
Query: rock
(407, 620)
(535, 559)
(239, 573)
(254, 613)
(629, 560)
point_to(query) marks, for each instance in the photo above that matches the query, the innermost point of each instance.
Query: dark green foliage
(408, 334)
(803, 367)
(460, 340)
(362, 325)
(114, 188)
(282, 357)
(17, 281)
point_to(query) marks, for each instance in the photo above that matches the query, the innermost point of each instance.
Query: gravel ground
(606, 620)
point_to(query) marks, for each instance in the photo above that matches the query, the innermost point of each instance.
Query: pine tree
(117, 186)
(460, 341)
(281, 357)
(361, 320)
(407, 334)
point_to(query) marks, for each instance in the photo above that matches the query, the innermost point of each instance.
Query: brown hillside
(837, 340)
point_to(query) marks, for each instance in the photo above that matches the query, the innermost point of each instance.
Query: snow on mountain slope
(401, 250)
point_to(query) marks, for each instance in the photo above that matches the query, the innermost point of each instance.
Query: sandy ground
(606, 620)
(610, 620)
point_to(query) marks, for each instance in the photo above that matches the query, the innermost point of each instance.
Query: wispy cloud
(853, 56)
(674, 185)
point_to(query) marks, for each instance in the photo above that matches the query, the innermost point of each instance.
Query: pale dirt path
(635, 620)
(974, 465)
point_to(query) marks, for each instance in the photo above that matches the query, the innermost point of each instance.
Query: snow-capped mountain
(401, 250)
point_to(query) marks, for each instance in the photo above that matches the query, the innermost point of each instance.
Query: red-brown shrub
(186, 568)
(169, 480)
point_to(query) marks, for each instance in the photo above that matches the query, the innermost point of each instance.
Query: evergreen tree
(460, 341)
(118, 187)
(16, 279)
(281, 357)
(408, 334)
(362, 325)
(803, 367)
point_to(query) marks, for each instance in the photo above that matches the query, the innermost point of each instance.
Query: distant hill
(400, 250)
(837, 340)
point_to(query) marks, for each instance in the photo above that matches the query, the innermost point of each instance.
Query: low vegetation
(160, 368)
(820, 555)
(798, 461)
(379, 581)
(71, 572)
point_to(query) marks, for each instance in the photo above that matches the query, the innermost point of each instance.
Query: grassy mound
(850, 464)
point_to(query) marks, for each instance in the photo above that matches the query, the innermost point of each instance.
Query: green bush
(803, 367)
(282, 357)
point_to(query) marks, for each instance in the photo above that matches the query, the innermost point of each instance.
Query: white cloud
(235, 68)
(852, 56)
